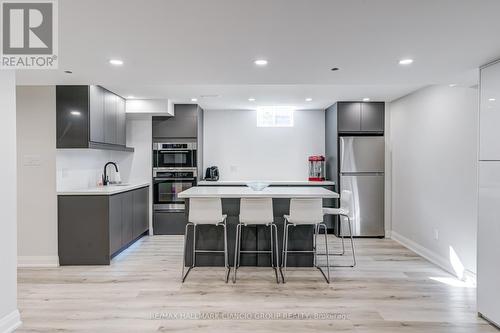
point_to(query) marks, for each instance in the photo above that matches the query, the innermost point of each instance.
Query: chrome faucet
(105, 177)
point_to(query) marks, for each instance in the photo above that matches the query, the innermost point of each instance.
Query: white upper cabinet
(489, 138)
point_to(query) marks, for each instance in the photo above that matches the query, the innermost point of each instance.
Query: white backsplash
(82, 168)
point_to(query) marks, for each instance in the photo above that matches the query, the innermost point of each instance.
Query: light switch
(32, 160)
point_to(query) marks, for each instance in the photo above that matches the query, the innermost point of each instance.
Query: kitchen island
(256, 237)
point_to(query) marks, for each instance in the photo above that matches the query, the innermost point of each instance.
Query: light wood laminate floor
(391, 290)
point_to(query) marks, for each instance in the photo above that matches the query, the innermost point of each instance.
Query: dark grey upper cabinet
(356, 117)
(121, 123)
(90, 117)
(96, 113)
(349, 117)
(72, 116)
(372, 117)
(110, 119)
(184, 123)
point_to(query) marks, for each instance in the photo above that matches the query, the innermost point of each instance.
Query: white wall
(82, 168)
(434, 174)
(9, 315)
(36, 179)
(138, 166)
(243, 151)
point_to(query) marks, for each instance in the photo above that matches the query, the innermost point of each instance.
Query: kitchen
(177, 157)
(233, 180)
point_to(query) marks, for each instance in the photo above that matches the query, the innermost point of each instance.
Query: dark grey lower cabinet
(94, 228)
(141, 210)
(169, 223)
(115, 222)
(127, 218)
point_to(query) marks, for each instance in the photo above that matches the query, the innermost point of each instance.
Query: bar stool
(205, 211)
(255, 212)
(343, 212)
(305, 212)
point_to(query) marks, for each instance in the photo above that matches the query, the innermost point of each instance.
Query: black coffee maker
(212, 173)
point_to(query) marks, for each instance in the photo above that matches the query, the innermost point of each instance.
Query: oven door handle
(173, 151)
(174, 179)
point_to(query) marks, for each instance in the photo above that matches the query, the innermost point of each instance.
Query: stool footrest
(297, 251)
(256, 251)
(208, 251)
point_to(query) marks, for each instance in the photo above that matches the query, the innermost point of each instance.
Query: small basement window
(275, 116)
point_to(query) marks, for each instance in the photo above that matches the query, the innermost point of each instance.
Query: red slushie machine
(317, 169)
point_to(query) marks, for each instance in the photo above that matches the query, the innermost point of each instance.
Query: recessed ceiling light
(260, 62)
(75, 113)
(309, 99)
(130, 97)
(366, 99)
(68, 72)
(116, 62)
(405, 61)
(492, 99)
(335, 69)
(453, 85)
(251, 99)
(194, 99)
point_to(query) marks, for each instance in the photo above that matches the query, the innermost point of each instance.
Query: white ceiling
(179, 49)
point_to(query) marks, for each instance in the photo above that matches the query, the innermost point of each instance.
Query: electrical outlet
(436, 234)
(233, 168)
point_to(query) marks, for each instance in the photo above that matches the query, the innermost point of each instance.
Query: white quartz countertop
(246, 192)
(271, 182)
(104, 190)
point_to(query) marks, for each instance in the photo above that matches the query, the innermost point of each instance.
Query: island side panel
(83, 232)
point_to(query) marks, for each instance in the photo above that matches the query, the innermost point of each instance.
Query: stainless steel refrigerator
(362, 183)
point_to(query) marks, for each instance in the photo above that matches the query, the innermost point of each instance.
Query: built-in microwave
(168, 183)
(174, 155)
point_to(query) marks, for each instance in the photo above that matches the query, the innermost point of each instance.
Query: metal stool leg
(284, 235)
(342, 237)
(315, 244)
(314, 251)
(237, 250)
(275, 266)
(183, 277)
(276, 246)
(226, 260)
(352, 242)
(285, 251)
(327, 254)
(327, 277)
(185, 247)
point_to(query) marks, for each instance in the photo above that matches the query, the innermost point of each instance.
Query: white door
(488, 242)
(489, 120)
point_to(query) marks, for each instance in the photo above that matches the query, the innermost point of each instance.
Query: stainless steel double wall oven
(174, 170)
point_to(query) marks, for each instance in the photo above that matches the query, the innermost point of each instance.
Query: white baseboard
(423, 252)
(10, 322)
(37, 261)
